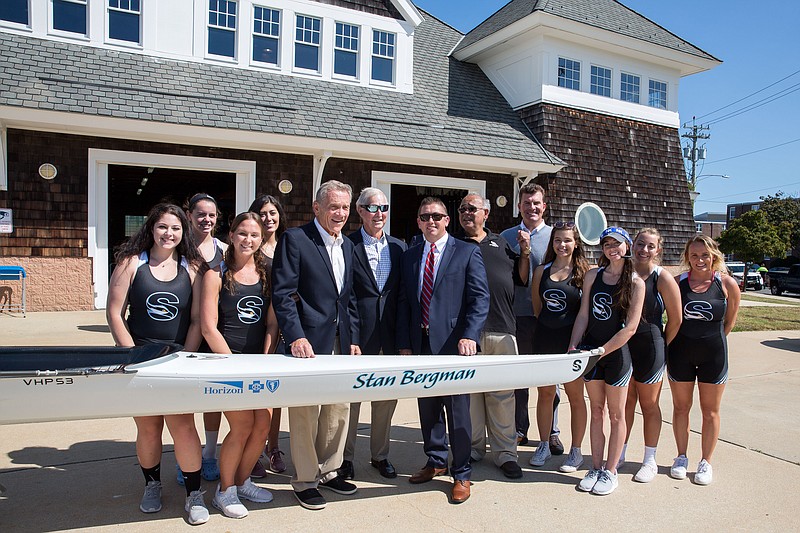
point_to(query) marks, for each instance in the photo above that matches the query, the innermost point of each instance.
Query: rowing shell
(149, 380)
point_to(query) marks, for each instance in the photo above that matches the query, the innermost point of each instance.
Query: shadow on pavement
(784, 343)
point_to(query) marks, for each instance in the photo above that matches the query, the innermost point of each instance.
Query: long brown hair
(261, 261)
(624, 293)
(580, 266)
(143, 239)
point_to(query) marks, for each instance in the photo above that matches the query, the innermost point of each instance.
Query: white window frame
(318, 45)
(666, 93)
(207, 26)
(64, 33)
(639, 86)
(279, 37)
(393, 57)
(357, 51)
(121, 42)
(558, 77)
(17, 25)
(610, 80)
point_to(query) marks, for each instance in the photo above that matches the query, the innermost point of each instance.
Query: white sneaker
(541, 454)
(646, 473)
(250, 491)
(196, 507)
(228, 502)
(589, 480)
(573, 461)
(606, 483)
(678, 470)
(704, 473)
(151, 500)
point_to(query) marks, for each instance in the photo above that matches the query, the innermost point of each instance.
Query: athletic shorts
(648, 355)
(614, 368)
(551, 340)
(704, 359)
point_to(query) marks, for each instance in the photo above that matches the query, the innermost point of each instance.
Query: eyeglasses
(374, 208)
(561, 225)
(425, 217)
(468, 208)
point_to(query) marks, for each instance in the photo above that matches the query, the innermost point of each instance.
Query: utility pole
(694, 153)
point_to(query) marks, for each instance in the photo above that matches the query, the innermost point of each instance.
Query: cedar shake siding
(632, 170)
(384, 8)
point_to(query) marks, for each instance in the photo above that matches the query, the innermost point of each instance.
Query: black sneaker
(339, 486)
(346, 471)
(511, 470)
(310, 499)
(556, 448)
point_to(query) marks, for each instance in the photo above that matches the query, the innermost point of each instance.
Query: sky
(758, 43)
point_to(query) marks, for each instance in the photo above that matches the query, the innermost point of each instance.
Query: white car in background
(754, 280)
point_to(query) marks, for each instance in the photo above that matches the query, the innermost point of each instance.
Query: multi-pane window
(123, 20)
(15, 11)
(345, 50)
(70, 15)
(306, 42)
(569, 73)
(383, 53)
(601, 81)
(658, 94)
(629, 87)
(266, 34)
(222, 28)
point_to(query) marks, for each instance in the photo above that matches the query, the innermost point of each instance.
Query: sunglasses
(374, 208)
(562, 225)
(425, 217)
(469, 208)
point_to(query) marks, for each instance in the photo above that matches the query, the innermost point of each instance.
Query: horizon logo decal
(698, 310)
(601, 306)
(162, 306)
(273, 384)
(556, 300)
(270, 384)
(249, 309)
(224, 387)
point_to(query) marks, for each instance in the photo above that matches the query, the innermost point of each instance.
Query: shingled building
(107, 107)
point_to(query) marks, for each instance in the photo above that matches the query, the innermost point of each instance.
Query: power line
(760, 103)
(774, 187)
(753, 152)
(749, 95)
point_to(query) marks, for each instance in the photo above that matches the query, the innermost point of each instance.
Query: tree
(751, 237)
(783, 212)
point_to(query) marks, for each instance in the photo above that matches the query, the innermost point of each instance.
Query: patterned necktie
(427, 287)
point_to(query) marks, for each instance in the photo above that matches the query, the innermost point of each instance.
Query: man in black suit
(376, 276)
(442, 307)
(316, 314)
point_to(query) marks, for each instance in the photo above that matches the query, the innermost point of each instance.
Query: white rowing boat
(46, 384)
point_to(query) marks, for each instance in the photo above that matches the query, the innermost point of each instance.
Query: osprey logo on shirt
(162, 306)
(249, 309)
(698, 310)
(556, 300)
(601, 306)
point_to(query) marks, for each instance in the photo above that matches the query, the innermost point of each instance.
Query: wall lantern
(285, 186)
(47, 171)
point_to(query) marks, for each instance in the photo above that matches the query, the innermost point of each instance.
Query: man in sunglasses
(494, 411)
(442, 307)
(376, 278)
(531, 208)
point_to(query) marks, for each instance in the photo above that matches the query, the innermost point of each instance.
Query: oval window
(591, 221)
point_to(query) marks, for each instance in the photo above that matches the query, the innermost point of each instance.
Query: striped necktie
(427, 287)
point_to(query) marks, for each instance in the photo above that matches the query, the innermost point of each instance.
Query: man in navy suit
(443, 305)
(316, 314)
(376, 277)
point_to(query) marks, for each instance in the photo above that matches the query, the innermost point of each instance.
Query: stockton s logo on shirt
(556, 300)
(601, 306)
(698, 310)
(163, 306)
(249, 309)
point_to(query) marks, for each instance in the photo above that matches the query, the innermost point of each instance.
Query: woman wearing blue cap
(610, 312)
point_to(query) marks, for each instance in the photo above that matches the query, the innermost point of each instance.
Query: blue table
(15, 273)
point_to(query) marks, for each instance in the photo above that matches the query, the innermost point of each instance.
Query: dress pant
(493, 412)
(380, 426)
(526, 326)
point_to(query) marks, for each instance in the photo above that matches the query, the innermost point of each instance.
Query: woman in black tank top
(609, 318)
(556, 297)
(648, 346)
(710, 303)
(237, 317)
(161, 290)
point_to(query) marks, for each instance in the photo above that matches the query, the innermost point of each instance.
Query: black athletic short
(648, 355)
(704, 359)
(614, 368)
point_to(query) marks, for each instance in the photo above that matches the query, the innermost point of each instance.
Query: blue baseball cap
(618, 234)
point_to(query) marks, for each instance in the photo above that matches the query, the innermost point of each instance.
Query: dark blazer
(459, 304)
(304, 293)
(377, 310)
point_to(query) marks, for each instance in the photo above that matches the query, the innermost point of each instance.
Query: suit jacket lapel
(417, 265)
(447, 255)
(361, 256)
(313, 233)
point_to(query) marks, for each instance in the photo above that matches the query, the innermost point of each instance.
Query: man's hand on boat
(302, 348)
(467, 347)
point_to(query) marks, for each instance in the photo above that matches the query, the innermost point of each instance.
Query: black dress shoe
(556, 448)
(511, 470)
(385, 468)
(346, 471)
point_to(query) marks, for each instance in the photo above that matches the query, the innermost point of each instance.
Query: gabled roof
(608, 15)
(454, 107)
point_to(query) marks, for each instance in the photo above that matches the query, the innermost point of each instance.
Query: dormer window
(124, 20)
(345, 53)
(569, 73)
(629, 87)
(601, 81)
(70, 16)
(15, 11)
(383, 52)
(222, 28)
(658, 94)
(306, 43)
(266, 34)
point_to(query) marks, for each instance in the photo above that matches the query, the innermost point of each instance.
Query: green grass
(785, 301)
(767, 318)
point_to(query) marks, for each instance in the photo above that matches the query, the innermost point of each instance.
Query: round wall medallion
(47, 171)
(285, 186)
(501, 201)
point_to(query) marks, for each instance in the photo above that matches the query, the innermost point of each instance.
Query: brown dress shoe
(460, 491)
(427, 474)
